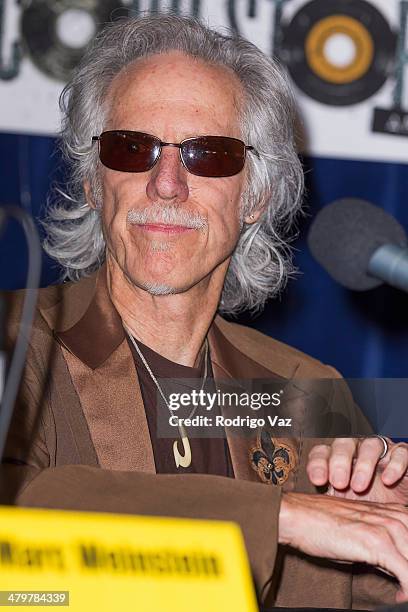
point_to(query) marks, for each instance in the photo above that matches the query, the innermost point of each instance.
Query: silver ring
(385, 443)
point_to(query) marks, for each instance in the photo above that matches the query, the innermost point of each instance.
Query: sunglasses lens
(128, 151)
(213, 156)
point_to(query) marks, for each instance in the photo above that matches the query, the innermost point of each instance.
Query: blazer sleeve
(255, 507)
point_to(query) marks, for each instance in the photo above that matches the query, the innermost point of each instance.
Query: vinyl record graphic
(56, 33)
(339, 52)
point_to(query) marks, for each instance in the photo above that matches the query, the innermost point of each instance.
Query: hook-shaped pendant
(182, 460)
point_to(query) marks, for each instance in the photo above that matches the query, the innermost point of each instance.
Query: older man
(184, 172)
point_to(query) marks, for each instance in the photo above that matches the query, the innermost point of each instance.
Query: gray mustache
(169, 215)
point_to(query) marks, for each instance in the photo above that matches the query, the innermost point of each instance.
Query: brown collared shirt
(210, 455)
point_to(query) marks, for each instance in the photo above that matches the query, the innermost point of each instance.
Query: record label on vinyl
(56, 32)
(339, 52)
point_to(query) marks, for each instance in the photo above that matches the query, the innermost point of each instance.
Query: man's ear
(90, 200)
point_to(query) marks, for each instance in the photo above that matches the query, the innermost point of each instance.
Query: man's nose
(168, 178)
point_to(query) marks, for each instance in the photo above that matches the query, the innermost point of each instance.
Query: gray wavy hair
(261, 261)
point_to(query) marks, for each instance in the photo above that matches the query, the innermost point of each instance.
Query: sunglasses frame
(179, 146)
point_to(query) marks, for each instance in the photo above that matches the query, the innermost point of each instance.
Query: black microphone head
(344, 236)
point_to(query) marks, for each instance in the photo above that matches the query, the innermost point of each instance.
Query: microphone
(360, 245)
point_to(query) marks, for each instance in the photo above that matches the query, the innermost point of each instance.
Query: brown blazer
(80, 439)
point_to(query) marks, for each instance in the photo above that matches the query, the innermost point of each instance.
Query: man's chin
(160, 282)
(159, 289)
(154, 286)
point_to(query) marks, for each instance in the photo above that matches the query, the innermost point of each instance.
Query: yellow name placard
(112, 562)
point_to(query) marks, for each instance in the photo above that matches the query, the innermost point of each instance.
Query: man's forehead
(179, 85)
(175, 77)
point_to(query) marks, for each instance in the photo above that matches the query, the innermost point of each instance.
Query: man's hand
(353, 470)
(344, 530)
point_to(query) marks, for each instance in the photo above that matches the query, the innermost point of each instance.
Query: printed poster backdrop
(347, 60)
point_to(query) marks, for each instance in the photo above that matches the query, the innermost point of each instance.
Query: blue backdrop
(363, 335)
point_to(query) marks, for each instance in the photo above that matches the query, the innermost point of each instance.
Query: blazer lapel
(113, 407)
(228, 362)
(299, 399)
(103, 373)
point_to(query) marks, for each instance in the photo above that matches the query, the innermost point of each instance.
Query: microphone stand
(17, 362)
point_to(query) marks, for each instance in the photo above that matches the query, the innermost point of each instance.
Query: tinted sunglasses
(210, 156)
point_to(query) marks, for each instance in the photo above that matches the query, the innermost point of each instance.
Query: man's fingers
(318, 464)
(340, 462)
(398, 566)
(333, 528)
(397, 466)
(396, 525)
(389, 540)
(383, 540)
(369, 453)
(391, 559)
(350, 463)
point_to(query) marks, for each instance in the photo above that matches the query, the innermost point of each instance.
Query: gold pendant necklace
(180, 460)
